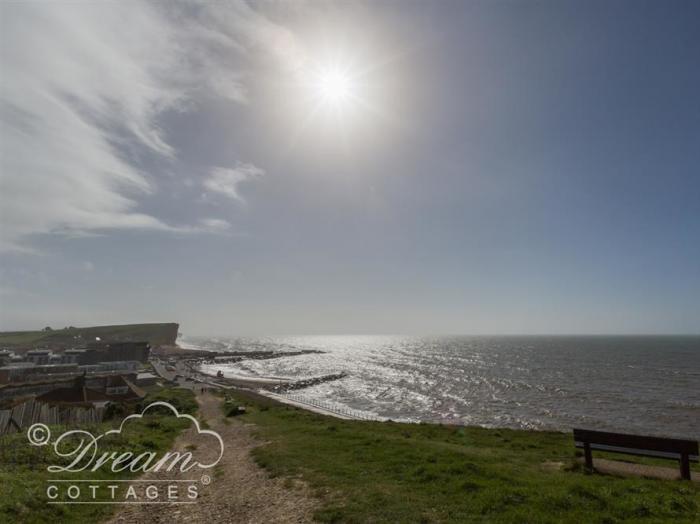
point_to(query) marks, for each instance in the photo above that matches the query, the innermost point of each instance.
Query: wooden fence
(30, 412)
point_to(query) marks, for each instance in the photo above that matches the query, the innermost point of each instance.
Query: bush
(182, 399)
(232, 408)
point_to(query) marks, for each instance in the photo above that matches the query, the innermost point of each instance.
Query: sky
(452, 167)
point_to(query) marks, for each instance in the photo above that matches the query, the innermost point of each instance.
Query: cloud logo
(84, 454)
(173, 409)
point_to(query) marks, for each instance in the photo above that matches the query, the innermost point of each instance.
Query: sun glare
(334, 87)
(337, 96)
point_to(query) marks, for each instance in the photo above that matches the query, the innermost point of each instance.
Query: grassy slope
(23, 474)
(389, 472)
(154, 333)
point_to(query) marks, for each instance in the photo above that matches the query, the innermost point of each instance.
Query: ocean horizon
(648, 384)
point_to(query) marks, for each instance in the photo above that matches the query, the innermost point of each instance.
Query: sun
(337, 95)
(334, 87)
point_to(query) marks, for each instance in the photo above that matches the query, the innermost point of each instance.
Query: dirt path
(239, 490)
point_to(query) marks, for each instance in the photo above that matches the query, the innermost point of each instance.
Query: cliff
(156, 334)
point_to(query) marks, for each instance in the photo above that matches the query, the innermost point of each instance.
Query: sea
(637, 384)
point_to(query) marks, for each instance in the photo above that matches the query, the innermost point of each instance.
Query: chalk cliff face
(156, 334)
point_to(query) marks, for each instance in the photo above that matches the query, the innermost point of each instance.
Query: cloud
(225, 181)
(81, 102)
(215, 225)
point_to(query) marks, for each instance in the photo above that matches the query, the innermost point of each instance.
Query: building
(14, 371)
(39, 357)
(146, 379)
(28, 371)
(5, 357)
(116, 386)
(116, 366)
(115, 389)
(121, 389)
(115, 351)
(72, 356)
(18, 372)
(38, 387)
(77, 394)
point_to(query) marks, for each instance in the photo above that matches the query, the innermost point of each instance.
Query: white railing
(330, 406)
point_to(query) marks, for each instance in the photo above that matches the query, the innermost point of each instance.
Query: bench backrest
(654, 446)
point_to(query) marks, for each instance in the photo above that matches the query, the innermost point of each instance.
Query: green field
(385, 472)
(391, 472)
(156, 334)
(24, 478)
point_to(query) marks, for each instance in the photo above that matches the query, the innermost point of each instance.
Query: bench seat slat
(637, 451)
(656, 444)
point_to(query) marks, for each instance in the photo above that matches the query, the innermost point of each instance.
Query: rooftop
(18, 365)
(76, 394)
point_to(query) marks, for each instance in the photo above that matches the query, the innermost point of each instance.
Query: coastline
(544, 383)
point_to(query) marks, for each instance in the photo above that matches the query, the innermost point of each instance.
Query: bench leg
(589, 456)
(685, 467)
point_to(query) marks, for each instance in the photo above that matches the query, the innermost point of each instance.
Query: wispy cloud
(225, 181)
(215, 225)
(79, 93)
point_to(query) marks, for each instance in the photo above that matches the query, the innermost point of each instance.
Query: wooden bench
(682, 450)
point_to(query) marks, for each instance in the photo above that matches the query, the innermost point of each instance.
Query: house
(5, 356)
(28, 371)
(72, 356)
(116, 389)
(77, 394)
(39, 357)
(117, 366)
(146, 379)
(50, 382)
(14, 370)
(119, 389)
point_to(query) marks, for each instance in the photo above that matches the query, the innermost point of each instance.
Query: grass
(391, 472)
(24, 477)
